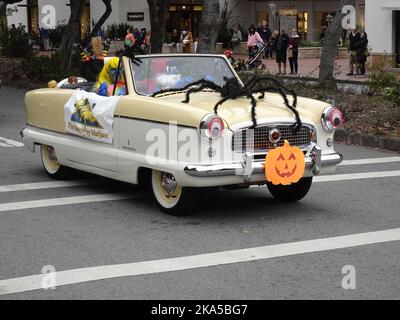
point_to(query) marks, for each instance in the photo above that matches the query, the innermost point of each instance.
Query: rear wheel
(291, 193)
(51, 165)
(172, 198)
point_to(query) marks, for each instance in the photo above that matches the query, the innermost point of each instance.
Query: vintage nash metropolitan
(185, 122)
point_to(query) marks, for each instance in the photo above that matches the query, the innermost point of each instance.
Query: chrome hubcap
(52, 154)
(168, 183)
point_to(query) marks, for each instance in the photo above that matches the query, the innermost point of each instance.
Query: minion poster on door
(90, 116)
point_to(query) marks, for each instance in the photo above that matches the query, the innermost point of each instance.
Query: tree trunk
(208, 27)
(99, 23)
(158, 17)
(3, 12)
(331, 45)
(3, 17)
(71, 35)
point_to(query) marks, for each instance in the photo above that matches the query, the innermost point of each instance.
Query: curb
(367, 140)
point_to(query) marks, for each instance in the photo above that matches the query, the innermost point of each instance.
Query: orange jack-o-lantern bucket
(284, 165)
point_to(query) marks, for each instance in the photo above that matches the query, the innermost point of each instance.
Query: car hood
(238, 112)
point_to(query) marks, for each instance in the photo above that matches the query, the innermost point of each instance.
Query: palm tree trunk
(208, 27)
(158, 18)
(331, 45)
(71, 35)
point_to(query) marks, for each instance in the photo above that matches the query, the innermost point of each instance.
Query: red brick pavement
(310, 68)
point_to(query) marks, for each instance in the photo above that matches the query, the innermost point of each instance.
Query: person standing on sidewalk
(265, 33)
(354, 37)
(362, 53)
(282, 44)
(45, 37)
(236, 37)
(294, 52)
(253, 39)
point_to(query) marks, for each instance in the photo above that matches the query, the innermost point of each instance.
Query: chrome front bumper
(313, 158)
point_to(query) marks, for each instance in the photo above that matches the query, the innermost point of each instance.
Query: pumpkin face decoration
(284, 165)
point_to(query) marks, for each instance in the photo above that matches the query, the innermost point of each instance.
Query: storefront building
(379, 18)
(383, 29)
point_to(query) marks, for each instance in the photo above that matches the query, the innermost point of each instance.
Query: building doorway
(397, 36)
(184, 16)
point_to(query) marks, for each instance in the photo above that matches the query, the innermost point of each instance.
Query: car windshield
(158, 73)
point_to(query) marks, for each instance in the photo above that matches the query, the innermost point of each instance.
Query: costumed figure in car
(106, 79)
(92, 58)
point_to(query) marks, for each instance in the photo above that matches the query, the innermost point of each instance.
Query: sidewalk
(310, 68)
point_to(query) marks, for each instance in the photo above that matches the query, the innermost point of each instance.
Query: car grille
(244, 141)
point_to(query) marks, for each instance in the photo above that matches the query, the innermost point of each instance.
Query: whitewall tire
(51, 165)
(172, 198)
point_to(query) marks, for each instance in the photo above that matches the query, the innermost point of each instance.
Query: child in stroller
(255, 58)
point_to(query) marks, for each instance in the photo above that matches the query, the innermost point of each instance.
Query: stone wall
(304, 53)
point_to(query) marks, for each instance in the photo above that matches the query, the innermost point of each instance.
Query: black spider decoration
(232, 89)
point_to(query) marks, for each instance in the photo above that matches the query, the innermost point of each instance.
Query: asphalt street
(85, 223)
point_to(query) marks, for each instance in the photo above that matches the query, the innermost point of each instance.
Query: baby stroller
(255, 59)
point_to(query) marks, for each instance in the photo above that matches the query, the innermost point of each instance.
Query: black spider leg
(297, 126)
(253, 109)
(181, 89)
(206, 84)
(232, 95)
(253, 81)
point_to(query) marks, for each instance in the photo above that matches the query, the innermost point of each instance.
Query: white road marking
(68, 277)
(12, 206)
(21, 205)
(369, 161)
(5, 145)
(357, 176)
(47, 185)
(8, 143)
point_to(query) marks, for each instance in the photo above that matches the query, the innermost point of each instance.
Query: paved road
(78, 225)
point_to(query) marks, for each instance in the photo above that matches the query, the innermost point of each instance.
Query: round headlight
(332, 118)
(212, 127)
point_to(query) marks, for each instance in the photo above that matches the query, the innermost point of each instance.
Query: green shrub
(117, 31)
(225, 37)
(14, 42)
(44, 68)
(382, 82)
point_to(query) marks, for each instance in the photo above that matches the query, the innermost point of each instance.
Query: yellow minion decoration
(84, 113)
(106, 79)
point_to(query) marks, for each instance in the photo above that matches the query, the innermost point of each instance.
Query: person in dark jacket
(294, 52)
(282, 44)
(354, 37)
(361, 53)
(265, 33)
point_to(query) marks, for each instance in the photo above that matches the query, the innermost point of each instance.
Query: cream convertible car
(186, 122)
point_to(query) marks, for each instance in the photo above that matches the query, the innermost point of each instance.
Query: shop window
(361, 18)
(33, 16)
(302, 24)
(85, 20)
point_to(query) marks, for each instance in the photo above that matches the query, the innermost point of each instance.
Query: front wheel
(172, 198)
(51, 165)
(291, 193)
